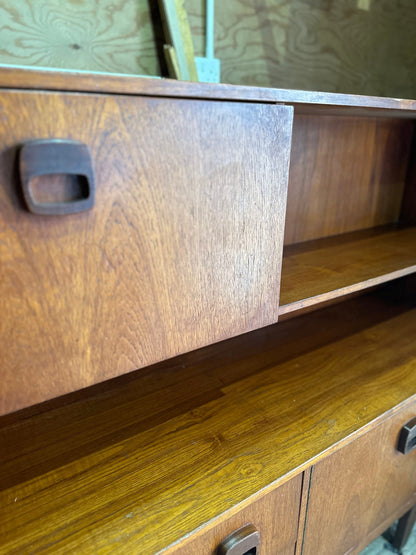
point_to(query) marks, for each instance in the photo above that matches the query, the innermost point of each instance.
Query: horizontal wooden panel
(146, 459)
(360, 46)
(182, 248)
(325, 269)
(90, 82)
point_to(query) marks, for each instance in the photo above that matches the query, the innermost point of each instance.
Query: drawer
(182, 247)
(357, 492)
(273, 516)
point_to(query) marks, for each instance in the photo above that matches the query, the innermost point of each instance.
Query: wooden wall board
(328, 45)
(339, 46)
(114, 36)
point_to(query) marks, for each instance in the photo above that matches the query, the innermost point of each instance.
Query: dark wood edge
(74, 81)
(404, 529)
(303, 509)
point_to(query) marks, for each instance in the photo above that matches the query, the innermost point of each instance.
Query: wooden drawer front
(357, 492)
(275, 516)
(182, 248)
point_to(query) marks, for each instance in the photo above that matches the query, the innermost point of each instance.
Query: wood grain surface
(183, 246)
(346, 173)
(304, 101)
(115, 36)
(140, 462)
(339, 46)
(275, 516)
(325, 269)
(359, 488)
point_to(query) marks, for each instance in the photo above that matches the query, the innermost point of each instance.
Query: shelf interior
(351, 208)
(318, 271)
(153, 455)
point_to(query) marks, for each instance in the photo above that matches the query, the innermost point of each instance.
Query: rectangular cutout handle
(46, 157)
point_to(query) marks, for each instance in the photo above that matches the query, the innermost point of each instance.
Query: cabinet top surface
(75, 81)
(152, 457)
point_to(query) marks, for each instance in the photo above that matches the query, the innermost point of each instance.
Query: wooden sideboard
(222, 346)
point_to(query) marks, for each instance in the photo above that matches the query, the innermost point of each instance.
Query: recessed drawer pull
(65, 160)
(407, 437)
(245, 541)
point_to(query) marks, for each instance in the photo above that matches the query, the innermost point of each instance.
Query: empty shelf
(322, 270)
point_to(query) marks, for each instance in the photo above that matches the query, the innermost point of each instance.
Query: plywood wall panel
(349, 46)
(114, 36)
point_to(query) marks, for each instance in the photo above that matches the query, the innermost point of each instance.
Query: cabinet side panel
(408, 212)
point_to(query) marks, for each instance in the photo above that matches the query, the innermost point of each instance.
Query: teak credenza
(152, 233)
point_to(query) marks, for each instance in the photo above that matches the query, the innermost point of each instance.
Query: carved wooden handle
(245, 541)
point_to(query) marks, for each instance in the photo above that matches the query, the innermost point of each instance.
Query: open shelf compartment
(351, 209)
(325, 269)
